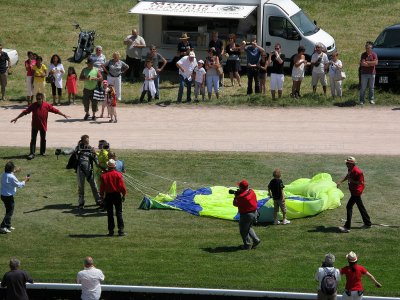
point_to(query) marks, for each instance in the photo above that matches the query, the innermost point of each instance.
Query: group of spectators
(15, 280)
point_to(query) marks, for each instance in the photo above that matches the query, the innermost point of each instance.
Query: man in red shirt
(40, 111)
(246, 202)
(355, 178)
(113, 186)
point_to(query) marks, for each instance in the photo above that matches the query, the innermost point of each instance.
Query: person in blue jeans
(253, 52)
(368, 61)
(9, 185)
(186, 66)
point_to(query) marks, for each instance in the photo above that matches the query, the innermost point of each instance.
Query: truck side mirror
(315, 23)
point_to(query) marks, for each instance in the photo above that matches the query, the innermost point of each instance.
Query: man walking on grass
(355, 179)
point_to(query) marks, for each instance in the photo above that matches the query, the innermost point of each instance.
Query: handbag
(50, 78)
(98, 94)
(339, 75)
(220, 70)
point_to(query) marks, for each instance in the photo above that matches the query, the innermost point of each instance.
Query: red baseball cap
(243, 184)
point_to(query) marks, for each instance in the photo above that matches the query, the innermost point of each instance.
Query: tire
(78, 55)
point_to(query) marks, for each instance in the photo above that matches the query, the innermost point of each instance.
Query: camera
(233, 192)
(57, 152)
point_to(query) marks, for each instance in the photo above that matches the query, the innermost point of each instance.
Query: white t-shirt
(333, 68)
(321, 274)
(58, 75)
(90, 279)
(199, 74)
(187, 66)
(320, 69)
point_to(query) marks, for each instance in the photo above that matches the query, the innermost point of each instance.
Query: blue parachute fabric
(185, 201)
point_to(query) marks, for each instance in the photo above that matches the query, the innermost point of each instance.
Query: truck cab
(272, 21)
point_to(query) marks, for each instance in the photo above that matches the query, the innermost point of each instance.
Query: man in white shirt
(320, 63)
(134, 46)
(90, 278)
(327, 269)
(186, 66)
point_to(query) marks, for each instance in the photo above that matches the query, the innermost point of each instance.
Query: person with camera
(253, 52)
(320, 63)
(277, 75)
(112, 189)
(86, 157)
(246, 202)
(5, 66)
(40, 111)
(212, 76)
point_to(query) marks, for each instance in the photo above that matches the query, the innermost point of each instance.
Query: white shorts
(277, 81)
(29, 86)
(321, 77)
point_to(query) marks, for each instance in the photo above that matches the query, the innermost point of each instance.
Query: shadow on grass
(325, 229)
(88, 211)
(164, 103)
(348, 103)
(15, 157)
(87, 236)
(222, 249)
(15, 106)
(71, 120)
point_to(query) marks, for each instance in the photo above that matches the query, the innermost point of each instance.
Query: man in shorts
(320, 63)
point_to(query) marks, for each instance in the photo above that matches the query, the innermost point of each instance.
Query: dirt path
(359, 130)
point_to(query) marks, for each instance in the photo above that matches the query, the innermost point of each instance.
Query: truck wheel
(78, 55)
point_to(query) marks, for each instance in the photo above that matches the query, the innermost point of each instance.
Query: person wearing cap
(113, 189)
(186, 66)
(355, 179)
(99, 59)
(90, 76)
(184, 46)
(246, 202)
(199, 80)
(354, 289)
(90, 279)
(327, 268)
(40, 112)
(253, 52)
(134, 46)
(114, 69)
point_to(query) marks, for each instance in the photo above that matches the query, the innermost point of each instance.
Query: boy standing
(200, 79)
(275, 190)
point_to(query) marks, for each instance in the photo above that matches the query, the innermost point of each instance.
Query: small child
(111, 100)
(104, 102)
(9, 184)
(119, 164)
(275, 190)
(148, 85)
(199, 80)
(71, 85)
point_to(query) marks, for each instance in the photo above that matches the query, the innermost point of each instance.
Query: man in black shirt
(5, 66)
(15, 281)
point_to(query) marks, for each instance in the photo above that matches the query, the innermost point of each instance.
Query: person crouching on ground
(327, 290)
(246, 202)
(9, 185)
(112, 189)
(275, 190)
(86, 157)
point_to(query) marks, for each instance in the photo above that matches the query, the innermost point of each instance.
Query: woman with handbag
(56, 69)
(212, 75)
(114, 68)
(335, 75)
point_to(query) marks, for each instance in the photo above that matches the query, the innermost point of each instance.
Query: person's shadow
(325, 229)
(222, 249)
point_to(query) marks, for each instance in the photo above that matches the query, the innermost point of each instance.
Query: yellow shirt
(39, 72)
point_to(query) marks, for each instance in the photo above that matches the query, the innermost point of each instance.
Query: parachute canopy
(304, 197)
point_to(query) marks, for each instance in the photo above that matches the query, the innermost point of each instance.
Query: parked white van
(272, 21)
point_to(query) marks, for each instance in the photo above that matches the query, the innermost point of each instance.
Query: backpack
(329, 283)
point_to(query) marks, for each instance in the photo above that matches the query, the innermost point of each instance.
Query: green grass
(350, 23)
(171, 248)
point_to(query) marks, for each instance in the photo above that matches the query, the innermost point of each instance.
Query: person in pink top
(71, 85)
(40, 111)
(354, 289)
(29, 63)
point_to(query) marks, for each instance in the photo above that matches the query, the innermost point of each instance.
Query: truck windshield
(304, 24)
(388, 39)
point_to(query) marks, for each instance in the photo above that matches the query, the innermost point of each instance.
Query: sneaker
(361, 103)
(285, 222)
(5, 230)
(11, 228)
(43, 154)
(245, 247)
(122, 233)
(371, 101)
(94, 118)
(277, 222)
(255, 244)
(344, 229)
(86, 117)
(110, 233)
(115, 121)
(365, 226)
(30, 156)
(110, 121)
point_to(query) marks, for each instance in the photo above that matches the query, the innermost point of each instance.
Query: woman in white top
(57, 70)
(335, 68)
(299, 62)
(327, 268)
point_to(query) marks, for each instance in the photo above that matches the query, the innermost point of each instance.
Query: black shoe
(81, 207)
(122, 233)
(110, 233)
(156, 97)
(43, 154)
(30, 156)
(86, 117)
(255, 244)
(94, 118)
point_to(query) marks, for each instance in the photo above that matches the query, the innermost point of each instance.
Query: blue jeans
(9, 205)
(157, 85)
(182, 82)
(367, 80)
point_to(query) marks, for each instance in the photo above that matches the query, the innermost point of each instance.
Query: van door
(279, 29)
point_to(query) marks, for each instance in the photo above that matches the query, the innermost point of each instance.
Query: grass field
(171, 248)
(45, 27)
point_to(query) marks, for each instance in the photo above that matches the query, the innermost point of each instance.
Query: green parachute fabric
(304, 197)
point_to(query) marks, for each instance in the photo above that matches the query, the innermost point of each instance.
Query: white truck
(162, 23)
